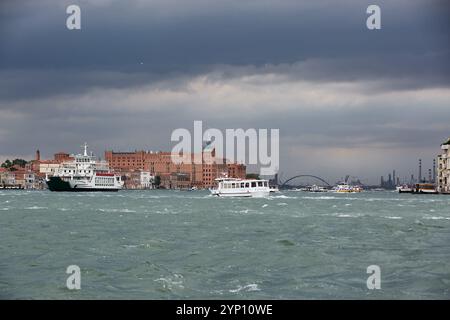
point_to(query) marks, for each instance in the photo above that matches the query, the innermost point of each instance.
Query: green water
(189, 245)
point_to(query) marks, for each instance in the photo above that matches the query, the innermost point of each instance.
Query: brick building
(176, 175)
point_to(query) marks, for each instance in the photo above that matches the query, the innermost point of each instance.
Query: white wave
(36, 208)
(116, 210)
(393, 217)
(171, 281)
(283, 197)
(436, 218)
(321, 198)
(248, 287)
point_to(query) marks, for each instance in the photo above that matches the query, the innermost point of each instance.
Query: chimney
(420, 170)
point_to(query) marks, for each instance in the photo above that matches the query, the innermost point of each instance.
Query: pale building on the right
(443, 178)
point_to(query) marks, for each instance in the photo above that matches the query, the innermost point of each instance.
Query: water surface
(159, 244)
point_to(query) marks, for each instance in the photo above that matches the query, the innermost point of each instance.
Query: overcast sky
(347, 100)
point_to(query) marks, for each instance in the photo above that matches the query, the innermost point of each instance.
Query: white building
(7, 178)
(48, 169)
(30, 180)
(147, 179)
(443, 178)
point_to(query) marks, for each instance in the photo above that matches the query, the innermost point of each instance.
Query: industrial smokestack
(420, 170)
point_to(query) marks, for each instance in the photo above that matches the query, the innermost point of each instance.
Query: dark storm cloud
(139, 69)
(135, 42)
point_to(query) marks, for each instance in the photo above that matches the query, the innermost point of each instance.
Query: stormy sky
(347, 100)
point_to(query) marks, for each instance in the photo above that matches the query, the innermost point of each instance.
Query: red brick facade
(175, 175)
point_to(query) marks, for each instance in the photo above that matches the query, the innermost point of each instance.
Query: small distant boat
(316, 188)
(233, 187)
(405, 189)
(346, 188)
(193, 188)
(274, 189)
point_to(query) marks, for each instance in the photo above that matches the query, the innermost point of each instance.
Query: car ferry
(84, 173)
(233, 187)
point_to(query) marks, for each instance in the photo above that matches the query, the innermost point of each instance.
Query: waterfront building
(177, 175)
(147, 179)
(443, 166)
(48, 167)
(7, 178)
(44, 168)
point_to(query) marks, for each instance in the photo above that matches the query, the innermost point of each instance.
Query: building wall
(48, 168)
(62, 157)
(443, 179)
(147, 179)
(125, 160)
(176, 175)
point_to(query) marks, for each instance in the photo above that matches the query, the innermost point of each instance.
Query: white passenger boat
(405, 189)
(233, 187)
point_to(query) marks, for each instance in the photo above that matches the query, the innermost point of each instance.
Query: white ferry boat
(233, 187)
(84, 173)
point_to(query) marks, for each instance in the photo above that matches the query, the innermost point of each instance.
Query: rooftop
(447, 142)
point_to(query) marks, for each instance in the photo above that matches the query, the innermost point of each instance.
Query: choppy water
(169, 244)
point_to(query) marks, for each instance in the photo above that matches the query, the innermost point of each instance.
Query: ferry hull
(59, 185)
(242, 194)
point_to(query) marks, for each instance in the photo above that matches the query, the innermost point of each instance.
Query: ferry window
(253, 184)
(260, 184)
(233, 185)
(265, 183)
(242, 185)
(247, 185)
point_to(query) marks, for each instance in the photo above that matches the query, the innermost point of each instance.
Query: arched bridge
(303, 176)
